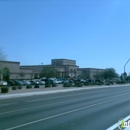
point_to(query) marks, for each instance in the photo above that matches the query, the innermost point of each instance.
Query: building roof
(63, 59)
(2, 61)
(92, 68)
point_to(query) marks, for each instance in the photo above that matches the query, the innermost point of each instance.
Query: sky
(95, 33)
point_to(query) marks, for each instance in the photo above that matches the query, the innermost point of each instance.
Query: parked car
(59, 81)
(99, 81)
(11, 83)
(66, 81)
(33, 82)
(55, 81)
(3, 83)
(18, 82)
(71, 81)
(41, 82)
(25, 82)
(82, 80)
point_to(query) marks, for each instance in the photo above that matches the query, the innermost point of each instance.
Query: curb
(54, 91)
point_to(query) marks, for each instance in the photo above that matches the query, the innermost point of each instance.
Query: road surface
(93, 109)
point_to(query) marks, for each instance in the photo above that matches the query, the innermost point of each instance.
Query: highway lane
(95, 109)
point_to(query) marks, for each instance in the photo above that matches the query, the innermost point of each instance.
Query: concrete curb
(54, 91)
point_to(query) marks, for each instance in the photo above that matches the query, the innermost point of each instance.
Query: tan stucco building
(14, 70)
(66, 68)
(91, 72)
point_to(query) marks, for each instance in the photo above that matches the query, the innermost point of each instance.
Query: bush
(119, 82)
(4, 89)
(19, 87)
(92, 84)
(98, 83)
(47, 85)
(78, 84)
(29, 86)
(54, 85)
(122, 82)
(36, 86)
(67, 85)
(14, 87)
(86, 84)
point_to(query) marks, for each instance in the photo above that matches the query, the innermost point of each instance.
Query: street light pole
(55, 63)
(125, 66)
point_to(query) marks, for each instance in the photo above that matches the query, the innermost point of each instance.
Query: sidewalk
(42, 90)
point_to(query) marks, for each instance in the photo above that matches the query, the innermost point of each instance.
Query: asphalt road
(93, 109)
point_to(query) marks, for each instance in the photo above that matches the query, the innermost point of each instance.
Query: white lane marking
(61, 114)
(53, 104)
(41, 106)
(8, 104)
(116, 125)
(65, 96)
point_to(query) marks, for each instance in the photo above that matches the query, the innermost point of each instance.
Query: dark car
(11, 83)
(17, 82)
(33, 82)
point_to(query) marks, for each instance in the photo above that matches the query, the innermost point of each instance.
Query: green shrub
(14, 87)
(92, 84)
(36, 86)
(47, 85)
(86, 84)
(67, 85)
(29, 86)
(118, 82)
(4, 89)
(19, 87)
(98, 83)
(122, 82)
(54, 85)
(78, 84)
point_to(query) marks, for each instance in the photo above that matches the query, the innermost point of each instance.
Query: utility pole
(55, 63)
(124, 68)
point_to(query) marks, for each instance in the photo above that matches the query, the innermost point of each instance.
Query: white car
(26, 82)
(59, 81)
(41, 82)
(3, 83)
(55, 81)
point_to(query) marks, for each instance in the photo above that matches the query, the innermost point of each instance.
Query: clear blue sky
(95, 33)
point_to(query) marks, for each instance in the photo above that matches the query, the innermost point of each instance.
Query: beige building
(91, 72)
(66, 68)
(12, 70)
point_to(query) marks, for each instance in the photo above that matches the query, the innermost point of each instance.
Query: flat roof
(63, 59)
(92, 68)
(9, 61)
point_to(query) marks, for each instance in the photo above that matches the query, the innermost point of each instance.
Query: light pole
(124, 68)
(55, 63)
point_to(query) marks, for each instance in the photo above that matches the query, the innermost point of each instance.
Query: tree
(6, 73)
(49, 72)
(99, 75)
(83, 75)
(21, 74)
(109, 73)
(128, 78)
